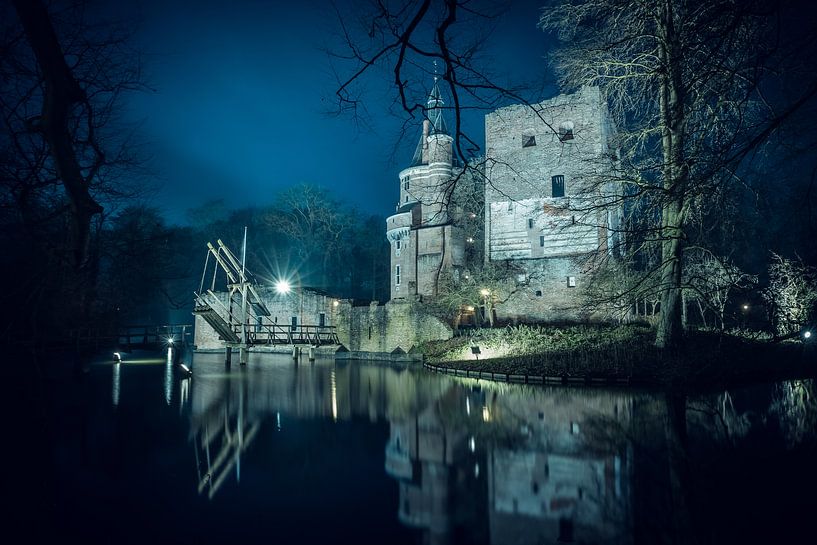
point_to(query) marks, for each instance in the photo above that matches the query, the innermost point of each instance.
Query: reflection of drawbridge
(242, 319)
(222, 439)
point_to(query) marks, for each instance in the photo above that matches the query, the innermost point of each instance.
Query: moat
(278, 451)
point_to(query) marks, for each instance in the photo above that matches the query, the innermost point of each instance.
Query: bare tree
(709, 280)
(66, 99)
(792, 294)
(684, 80)
(316, 222)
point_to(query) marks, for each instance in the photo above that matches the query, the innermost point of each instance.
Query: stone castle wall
(385, 328)
(549, 236)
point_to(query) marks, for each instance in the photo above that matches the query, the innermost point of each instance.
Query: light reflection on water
(474, 461)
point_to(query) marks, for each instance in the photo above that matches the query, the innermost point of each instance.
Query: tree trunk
(675, 174)
(61, 93)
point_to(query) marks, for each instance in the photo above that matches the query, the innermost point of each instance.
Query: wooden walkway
(134, 337)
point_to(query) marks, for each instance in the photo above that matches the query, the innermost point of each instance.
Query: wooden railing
(134, 336)
(301, 334)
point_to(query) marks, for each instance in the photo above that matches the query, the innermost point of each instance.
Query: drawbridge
(239, 316)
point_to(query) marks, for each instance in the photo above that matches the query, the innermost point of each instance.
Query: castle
(519, 232)
(547, 209)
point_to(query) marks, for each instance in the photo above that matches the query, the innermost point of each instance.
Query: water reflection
(516, 470)
(116, 380)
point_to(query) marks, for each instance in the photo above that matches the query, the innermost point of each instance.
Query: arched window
(557, 186)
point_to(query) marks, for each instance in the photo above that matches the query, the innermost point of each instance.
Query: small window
(557, 184)
(322, 319)
(406, 184)
(397, 275)
(294, 323)
(528, 141)
(566, 131)
(397, 247)
(539, 294)
(406, 198)
(510, 206)
(542, 241)
(571, 281)
(530, 223)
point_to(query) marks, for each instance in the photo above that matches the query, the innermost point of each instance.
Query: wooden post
(228, 356)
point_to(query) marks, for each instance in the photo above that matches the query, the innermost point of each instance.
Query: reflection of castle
(472, 465)
(556, 488)
(522, 460)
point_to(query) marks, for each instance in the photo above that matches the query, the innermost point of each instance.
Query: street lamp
(282, 287)
(486, 311)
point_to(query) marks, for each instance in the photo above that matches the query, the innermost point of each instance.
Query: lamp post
(486, 293)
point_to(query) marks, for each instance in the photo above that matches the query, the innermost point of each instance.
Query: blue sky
(241, 95)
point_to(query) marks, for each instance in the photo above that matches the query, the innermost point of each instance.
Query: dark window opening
(370, 332)
(542, 241)
(530, 223)
(528, 141)
(294, 323)
(557, 186)
(538, 293)
(566, 131)
(535, 487)
(321, 319)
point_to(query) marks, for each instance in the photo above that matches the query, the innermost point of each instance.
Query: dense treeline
(146, 270)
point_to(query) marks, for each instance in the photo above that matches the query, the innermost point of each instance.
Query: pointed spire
(435, 107)
(435, 120)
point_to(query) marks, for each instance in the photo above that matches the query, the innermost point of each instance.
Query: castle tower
(424, 243)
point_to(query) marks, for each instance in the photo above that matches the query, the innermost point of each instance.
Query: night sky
(241, 96)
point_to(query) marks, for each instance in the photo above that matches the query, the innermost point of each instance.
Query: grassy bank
(706, 359)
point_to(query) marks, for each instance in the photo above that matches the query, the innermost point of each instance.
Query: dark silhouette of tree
(686, 83)
(63, 152)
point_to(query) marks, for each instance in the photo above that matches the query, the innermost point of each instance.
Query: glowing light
(807, 335)
(485, 292)
(486, 414)
(472, 444)
(333, 386)
(186, 370)
(170, 340)
(470, 240)
(469, 308)
(745, 307)
(467, 406)
(117, 357)
(282, 287)
(335, 303)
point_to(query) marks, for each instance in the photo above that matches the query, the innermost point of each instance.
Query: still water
(279, 452)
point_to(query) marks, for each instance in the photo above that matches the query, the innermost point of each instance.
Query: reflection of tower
(434, 461)
(423, 240)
